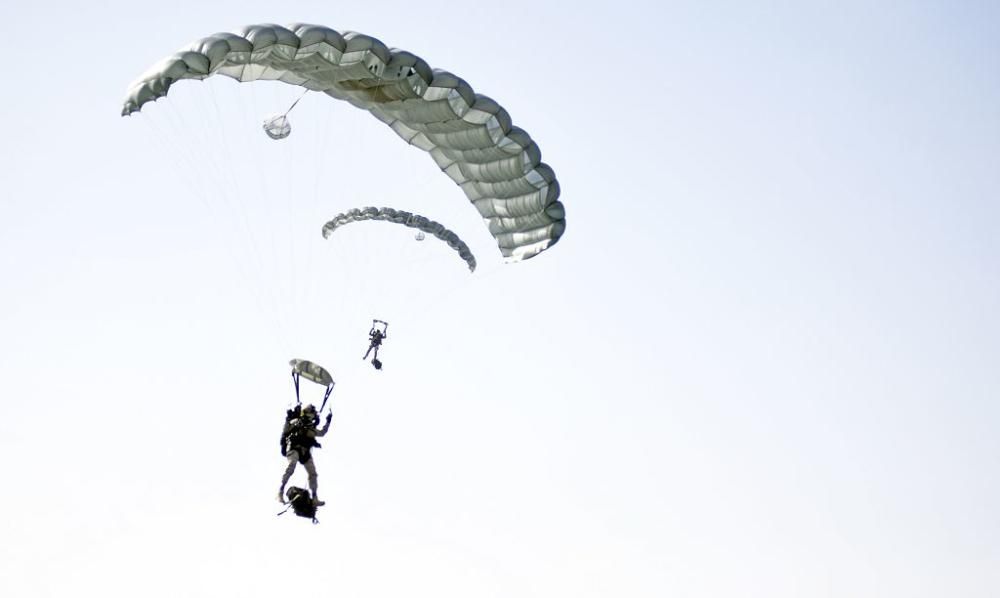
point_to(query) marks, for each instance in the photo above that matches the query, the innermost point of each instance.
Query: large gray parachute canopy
(407, 219)
(468, 135)
(312, 372)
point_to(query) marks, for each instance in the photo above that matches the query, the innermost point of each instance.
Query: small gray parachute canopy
(469, 136)
(407, 219)
(314, 373)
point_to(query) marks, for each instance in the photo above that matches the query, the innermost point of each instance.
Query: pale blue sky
(761, 362)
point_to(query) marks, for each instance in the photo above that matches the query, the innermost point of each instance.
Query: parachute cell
(469, 136)
(422, 224)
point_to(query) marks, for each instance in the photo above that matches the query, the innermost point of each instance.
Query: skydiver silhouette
(298, 438)
(375, 338)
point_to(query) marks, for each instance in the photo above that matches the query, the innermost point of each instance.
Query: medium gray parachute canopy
(312, 372)
(468, 135)
(407, 219)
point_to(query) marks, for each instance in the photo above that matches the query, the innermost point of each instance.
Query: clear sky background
(763, 360)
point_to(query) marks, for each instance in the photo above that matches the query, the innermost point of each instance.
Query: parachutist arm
(326, 427)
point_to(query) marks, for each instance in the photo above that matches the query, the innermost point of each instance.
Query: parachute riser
(326, 396)
(298, 400)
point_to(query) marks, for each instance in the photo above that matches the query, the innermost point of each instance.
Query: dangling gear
(302, 503)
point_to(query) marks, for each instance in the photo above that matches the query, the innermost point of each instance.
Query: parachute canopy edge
(469, 135)
(405, 218)
(312, 372)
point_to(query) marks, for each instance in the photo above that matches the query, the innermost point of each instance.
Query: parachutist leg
(293, 458)
(310, 466)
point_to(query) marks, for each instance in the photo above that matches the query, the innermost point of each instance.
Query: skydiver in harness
(375, 337)
(298, 438)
